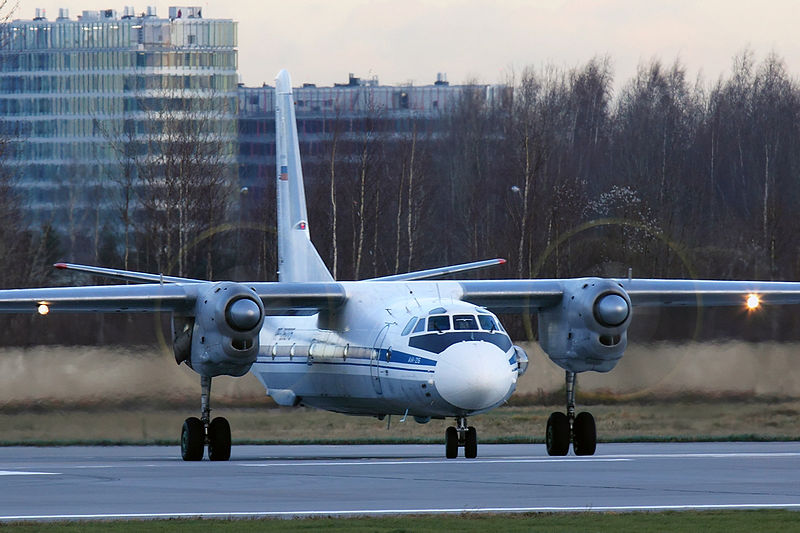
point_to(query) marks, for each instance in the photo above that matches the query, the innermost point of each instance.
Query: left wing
(533, 295)
(707, 293)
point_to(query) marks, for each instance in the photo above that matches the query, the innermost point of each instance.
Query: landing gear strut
(461, 435)
(563, 429)
(199, 432)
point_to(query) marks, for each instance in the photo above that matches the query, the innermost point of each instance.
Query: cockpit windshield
(488, 323)
(439, 323)
(461, 322)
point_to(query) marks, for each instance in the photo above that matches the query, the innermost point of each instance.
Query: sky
(400, 41)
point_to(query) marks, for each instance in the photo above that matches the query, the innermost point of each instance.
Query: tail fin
(298, 260)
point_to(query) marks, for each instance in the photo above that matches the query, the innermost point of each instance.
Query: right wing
(278, 298)
(106, 299)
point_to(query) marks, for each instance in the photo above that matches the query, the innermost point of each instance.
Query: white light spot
(753, 302)
(43, 309)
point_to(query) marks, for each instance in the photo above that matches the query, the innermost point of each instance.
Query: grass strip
(641, 522)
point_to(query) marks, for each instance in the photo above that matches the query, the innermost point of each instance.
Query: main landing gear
(199, 432)
(565, 428)
(458, 436)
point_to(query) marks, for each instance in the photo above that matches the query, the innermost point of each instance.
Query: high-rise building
(72, 90)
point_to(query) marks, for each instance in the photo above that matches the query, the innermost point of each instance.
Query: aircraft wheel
(451, 443)
(557, 436)
(584, 434)
(219, 440)
(192, 439)
(471, 443)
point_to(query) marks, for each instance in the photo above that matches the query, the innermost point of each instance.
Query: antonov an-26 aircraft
(402, 344)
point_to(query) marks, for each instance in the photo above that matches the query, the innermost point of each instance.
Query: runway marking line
(378, 512)
(710, 455)
(23, 473)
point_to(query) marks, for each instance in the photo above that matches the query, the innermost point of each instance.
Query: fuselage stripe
(342, 363)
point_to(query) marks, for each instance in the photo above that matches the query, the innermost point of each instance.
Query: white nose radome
(474, 375)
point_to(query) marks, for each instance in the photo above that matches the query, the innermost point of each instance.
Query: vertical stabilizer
(298, 260)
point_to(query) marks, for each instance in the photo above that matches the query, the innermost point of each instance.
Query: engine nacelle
(588, 330)
(224, 340)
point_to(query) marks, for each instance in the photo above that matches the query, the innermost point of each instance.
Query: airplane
(406, 344)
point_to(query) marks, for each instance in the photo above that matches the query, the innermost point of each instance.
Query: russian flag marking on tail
(284, 174)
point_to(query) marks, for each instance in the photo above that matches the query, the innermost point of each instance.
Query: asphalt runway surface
(287, 481)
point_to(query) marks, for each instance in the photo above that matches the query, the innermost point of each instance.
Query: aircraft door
(375, 359)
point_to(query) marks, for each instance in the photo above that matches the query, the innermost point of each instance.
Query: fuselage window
(439, 323)
(420, 325)
(488, 323)
(407, 329)
(464, 322)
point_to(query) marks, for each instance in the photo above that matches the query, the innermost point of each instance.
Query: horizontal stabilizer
(127, 275)
(441, 271)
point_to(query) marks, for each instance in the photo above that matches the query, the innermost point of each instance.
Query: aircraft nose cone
(474, 375)
(243, 314)
(612, 310)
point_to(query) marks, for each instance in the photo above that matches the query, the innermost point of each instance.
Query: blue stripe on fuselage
(397, 357)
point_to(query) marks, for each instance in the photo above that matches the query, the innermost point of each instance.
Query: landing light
(43, 309)
(753, 302)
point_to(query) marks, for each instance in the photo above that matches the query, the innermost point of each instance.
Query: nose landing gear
(458, 436)
(565, 428)
(199, 432)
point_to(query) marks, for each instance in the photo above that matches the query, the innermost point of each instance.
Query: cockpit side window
(407, 329)
(488, 323)
(439, 323)
(464, 322)
(420, 325)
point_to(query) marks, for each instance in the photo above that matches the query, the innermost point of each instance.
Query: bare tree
(185, 177)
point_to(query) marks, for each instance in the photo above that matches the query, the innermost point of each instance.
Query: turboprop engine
(222, 337)
(588, 330)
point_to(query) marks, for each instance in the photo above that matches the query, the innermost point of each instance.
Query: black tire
(471, 443)
(192, 439)
(451, 443)
(584, 434)
(557, 436)
(219, 440)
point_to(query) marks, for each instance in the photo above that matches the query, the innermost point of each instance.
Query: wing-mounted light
(752, 302)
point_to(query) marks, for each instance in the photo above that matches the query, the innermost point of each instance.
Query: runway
(286, 481)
